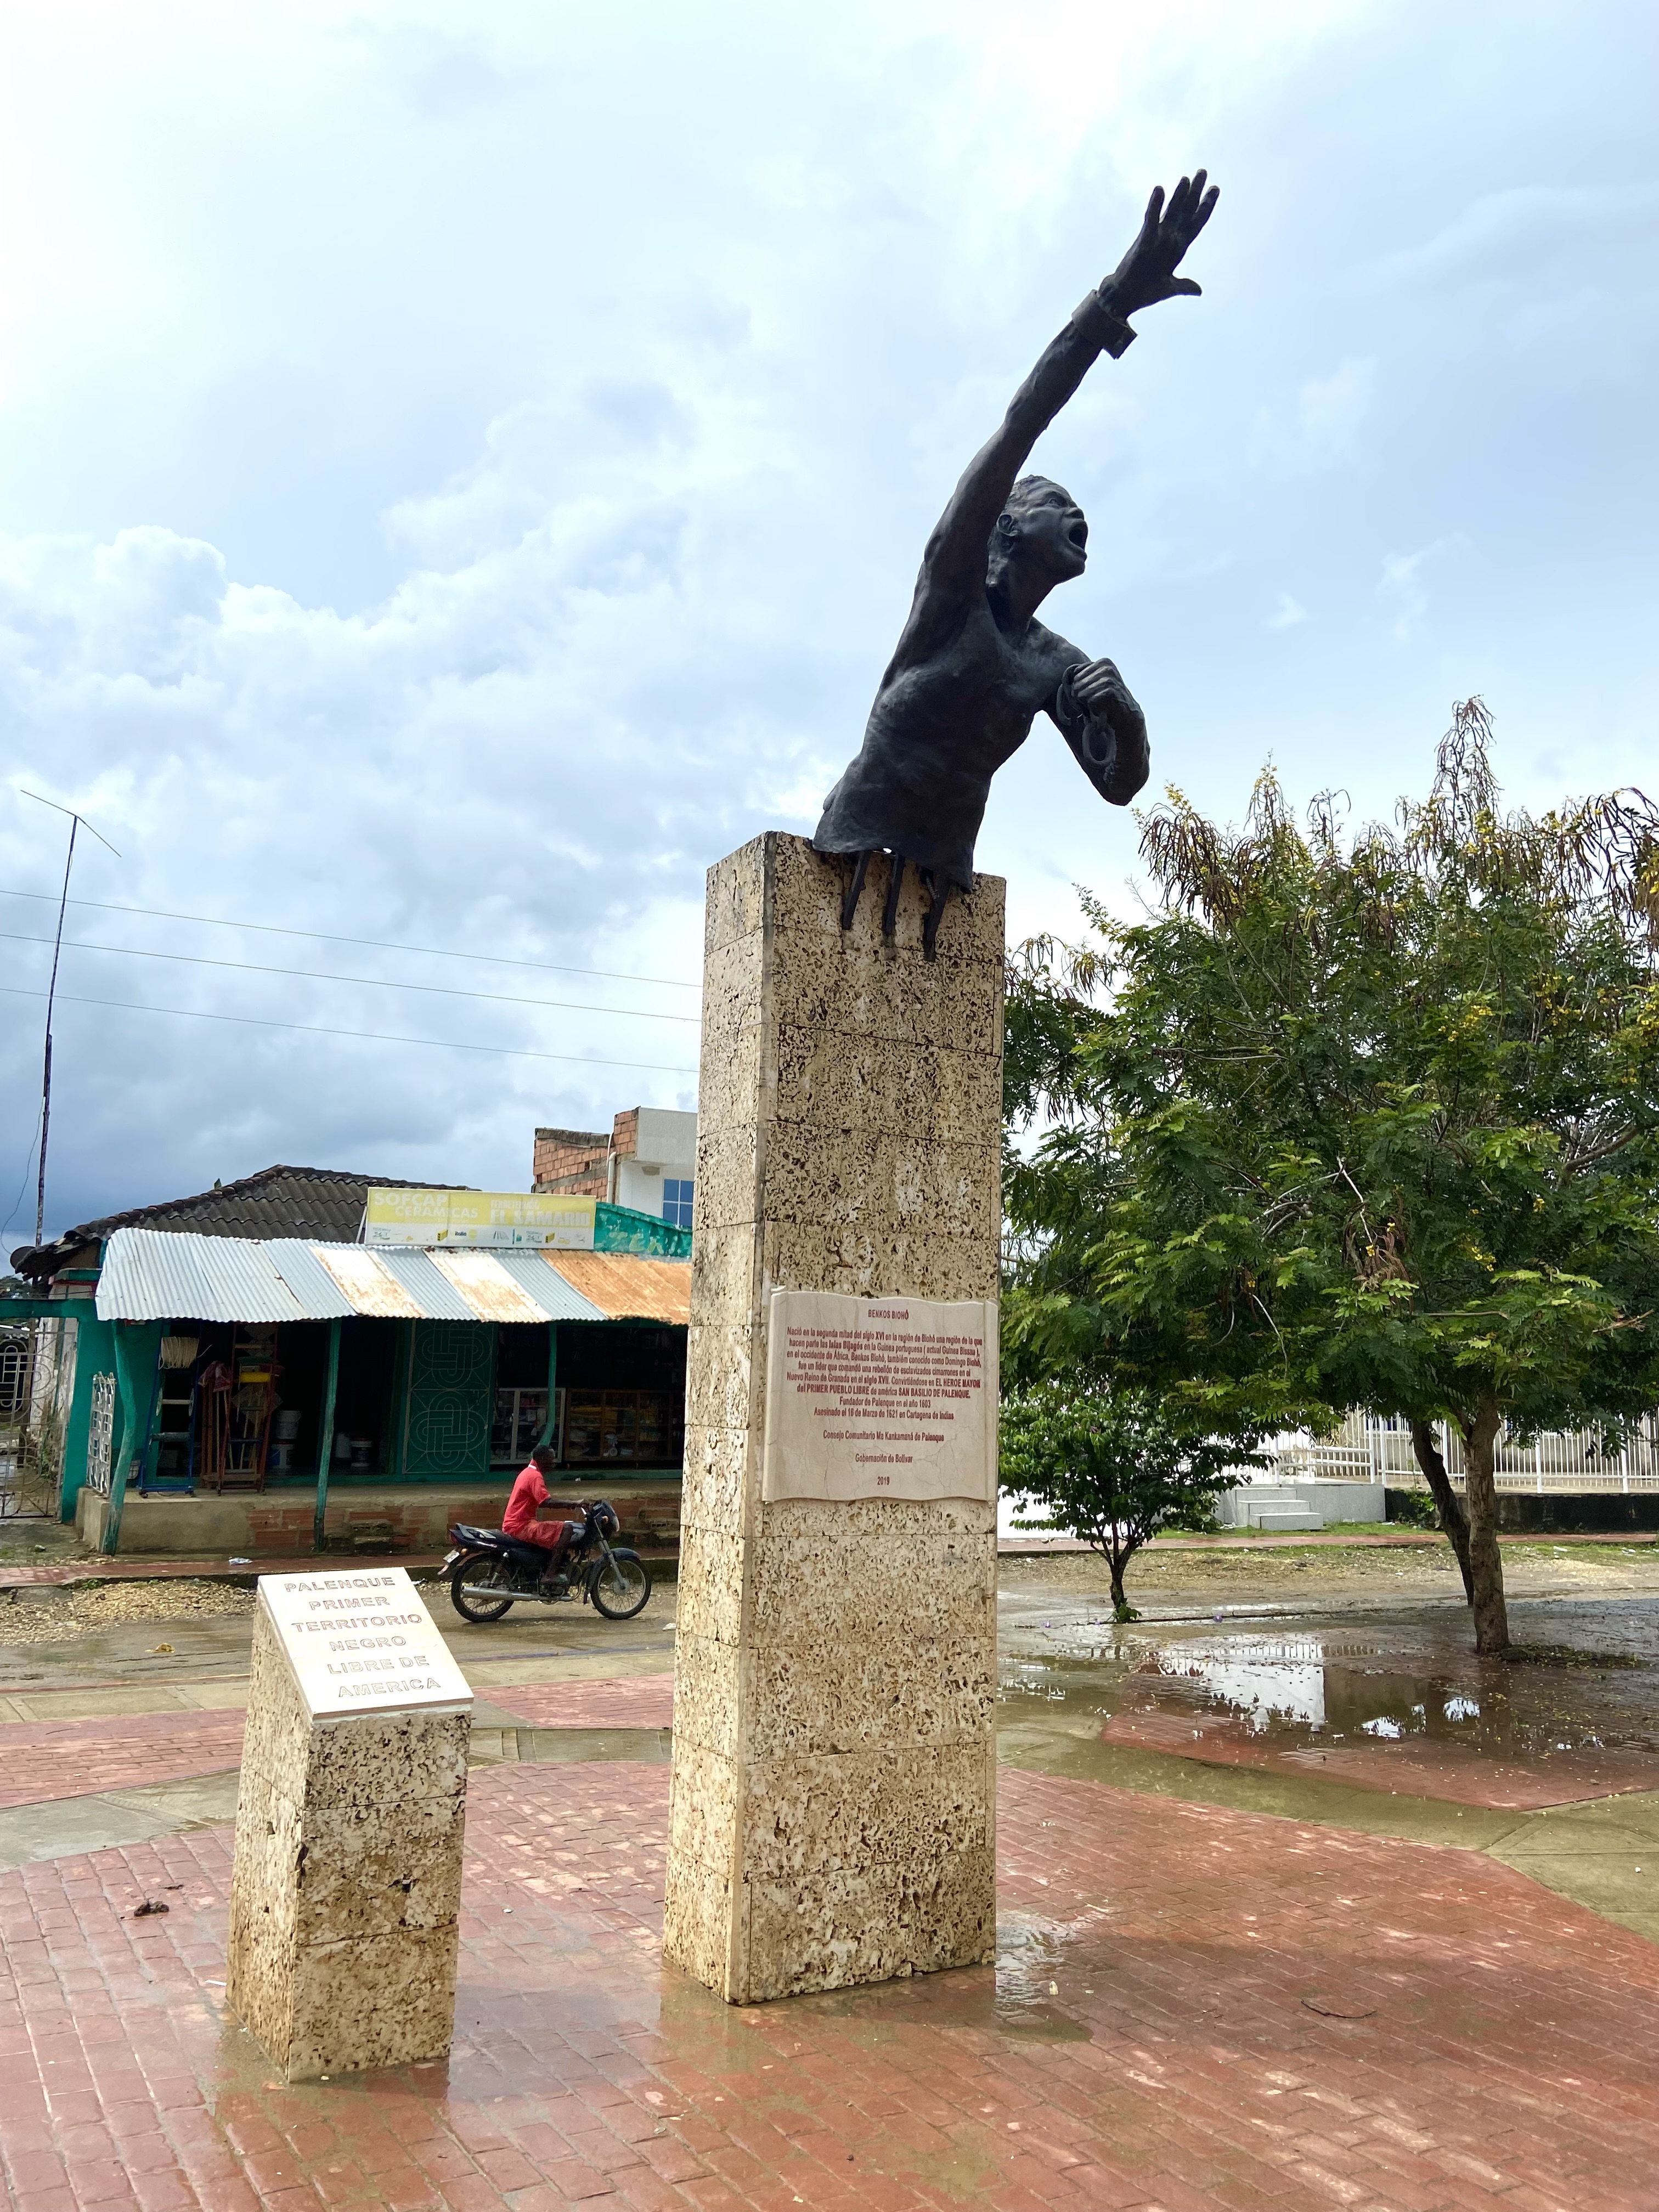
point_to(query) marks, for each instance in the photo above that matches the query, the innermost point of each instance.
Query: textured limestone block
(832, 1815)
(345, 1889)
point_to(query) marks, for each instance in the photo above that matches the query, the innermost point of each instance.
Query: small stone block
(345, 1888)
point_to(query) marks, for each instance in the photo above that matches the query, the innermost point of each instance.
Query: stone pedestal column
(832, 1818)
(346, 1883)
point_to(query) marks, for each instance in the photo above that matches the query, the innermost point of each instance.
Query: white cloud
(1515, 232)
(1402, 584)
(1324, 420)
(462, 481)
(1330, 410)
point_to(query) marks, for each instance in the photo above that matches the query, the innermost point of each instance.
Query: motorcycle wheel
(481, 1570)
(620, 1586)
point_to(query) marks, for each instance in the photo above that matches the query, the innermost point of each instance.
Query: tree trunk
(1117, 1561)
(1447, 1503)
(1491, 1623)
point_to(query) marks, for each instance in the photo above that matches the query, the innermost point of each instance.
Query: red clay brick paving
(42, 1760)
(620, 1701)
(1147, 2041)
(1463, 1774)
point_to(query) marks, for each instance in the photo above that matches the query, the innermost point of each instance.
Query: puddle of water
(1264, 1681)
(1037, 1963)
(1031, 1956)
(1319, 1688)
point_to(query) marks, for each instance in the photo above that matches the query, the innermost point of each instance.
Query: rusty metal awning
(152, 1274)
(625, 1287)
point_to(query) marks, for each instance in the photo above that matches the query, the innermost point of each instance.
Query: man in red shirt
(529, 1494)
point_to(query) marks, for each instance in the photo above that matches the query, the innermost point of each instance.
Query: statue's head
(1043, 529)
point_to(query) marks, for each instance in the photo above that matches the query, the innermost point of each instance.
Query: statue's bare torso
(950, 711)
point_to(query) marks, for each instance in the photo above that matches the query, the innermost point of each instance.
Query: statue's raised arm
(1144, 276)
(973, 666)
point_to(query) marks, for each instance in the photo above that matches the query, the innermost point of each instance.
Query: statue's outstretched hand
(1146, 272)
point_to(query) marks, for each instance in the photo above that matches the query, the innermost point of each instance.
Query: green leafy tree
(1359, 1122)
(1110, 1468)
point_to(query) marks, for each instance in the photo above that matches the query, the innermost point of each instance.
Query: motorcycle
(490, 1571)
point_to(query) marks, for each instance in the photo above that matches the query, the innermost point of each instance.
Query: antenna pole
(46, 1076)
(52, 994)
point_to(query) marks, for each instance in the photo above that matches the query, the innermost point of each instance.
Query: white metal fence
(1367, 1449)
(31, 1423)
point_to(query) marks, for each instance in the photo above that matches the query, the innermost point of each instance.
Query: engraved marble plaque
(361, 1641)
(892, 1397)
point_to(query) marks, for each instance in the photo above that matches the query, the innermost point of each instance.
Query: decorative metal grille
(14, 1378)
(451, 1372)
(101, 1435)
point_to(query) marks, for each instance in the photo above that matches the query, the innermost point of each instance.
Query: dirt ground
(57, 1616)
(1164, 1581)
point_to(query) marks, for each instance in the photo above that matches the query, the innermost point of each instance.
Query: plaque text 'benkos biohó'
(879, 1397)
(361, 1642)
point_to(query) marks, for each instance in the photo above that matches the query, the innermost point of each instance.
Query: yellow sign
(550, 1219)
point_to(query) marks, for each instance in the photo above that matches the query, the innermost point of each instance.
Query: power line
(374, 944)
(29, 1162)
(375, 982)
(361, 1037)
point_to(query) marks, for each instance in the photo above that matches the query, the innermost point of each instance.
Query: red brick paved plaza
(48, 1759)
(1196, 2009)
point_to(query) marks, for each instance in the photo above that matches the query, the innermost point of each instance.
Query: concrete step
(1278, 1520)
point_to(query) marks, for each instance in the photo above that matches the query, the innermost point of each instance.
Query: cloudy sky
(464, 467)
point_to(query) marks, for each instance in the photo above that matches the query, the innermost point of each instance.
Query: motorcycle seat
(520, 1553)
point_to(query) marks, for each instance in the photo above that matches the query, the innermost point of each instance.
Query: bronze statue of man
(974, 666)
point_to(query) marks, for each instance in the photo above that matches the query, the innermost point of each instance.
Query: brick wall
(571, 1160)
(650, 1519)
(575, 1160)
(277, 1524)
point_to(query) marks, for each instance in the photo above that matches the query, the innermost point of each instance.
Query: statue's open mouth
(1078, 534)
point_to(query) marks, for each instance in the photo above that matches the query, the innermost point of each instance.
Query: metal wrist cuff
(1118, 337)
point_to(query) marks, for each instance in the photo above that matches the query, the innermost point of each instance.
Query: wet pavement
(1386, 1724)
(133, 1732)
(162, 1654)
(1193, 2010)
(1299, 1904)
(1396, 1702)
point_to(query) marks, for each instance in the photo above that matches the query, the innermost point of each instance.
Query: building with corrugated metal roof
(239, 1370)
